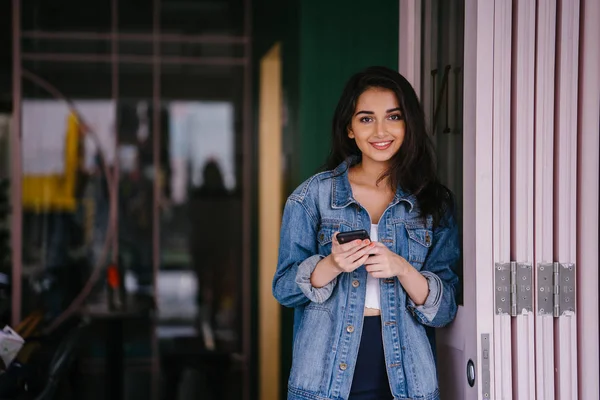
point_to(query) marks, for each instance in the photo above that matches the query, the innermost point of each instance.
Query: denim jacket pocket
(325, 235)
(326, 231)
(313, 349)
(419, 243)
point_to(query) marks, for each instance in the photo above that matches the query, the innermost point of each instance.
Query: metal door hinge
(514, 288)
(556, 288)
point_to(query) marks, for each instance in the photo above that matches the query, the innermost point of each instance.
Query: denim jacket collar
(341, 191)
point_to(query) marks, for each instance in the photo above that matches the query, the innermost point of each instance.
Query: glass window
(442, 93)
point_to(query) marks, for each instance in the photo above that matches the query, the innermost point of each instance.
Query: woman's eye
(366, 119)
(395, 117)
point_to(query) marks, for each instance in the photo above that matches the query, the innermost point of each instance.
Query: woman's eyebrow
(371, 112)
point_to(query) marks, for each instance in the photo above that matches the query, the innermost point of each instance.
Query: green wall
(338, 38)
(323, 43)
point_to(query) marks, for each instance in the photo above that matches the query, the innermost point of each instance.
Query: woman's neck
(368, 173)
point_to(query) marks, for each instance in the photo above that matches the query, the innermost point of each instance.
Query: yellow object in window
(57, 192)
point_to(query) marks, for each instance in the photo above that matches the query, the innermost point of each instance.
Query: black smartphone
(346, 237)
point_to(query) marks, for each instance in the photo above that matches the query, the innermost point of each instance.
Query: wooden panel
(478, 200)
(522, 190)
(565, 206)
(544, 188)
(270, 204)
(588, 200)
(502, 189)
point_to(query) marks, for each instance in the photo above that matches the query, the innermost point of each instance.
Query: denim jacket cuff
(432, 304)
(305, 270)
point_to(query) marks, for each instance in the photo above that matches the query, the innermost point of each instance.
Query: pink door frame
(502, 63)
(568, 219)
(588, 200)
(522, 196)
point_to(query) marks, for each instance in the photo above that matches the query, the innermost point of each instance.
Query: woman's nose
(380, 128)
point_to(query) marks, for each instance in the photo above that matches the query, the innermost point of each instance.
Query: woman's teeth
(381, 145)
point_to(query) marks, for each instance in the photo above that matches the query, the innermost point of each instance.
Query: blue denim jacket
(328, 320)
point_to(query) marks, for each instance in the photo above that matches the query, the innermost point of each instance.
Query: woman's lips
(381, 145)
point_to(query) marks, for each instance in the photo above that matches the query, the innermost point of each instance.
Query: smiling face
(377, 126)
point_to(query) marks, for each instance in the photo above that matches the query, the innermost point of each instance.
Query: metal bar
(438, 105)
(156, 144)
(156, 135)
(513, 288)
(133, 59)
(136, 37)
(247, 207)
(114, 198)
(16, 220)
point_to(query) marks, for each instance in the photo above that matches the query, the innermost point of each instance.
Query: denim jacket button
(343, 366)
(350, 329)
(355, 283)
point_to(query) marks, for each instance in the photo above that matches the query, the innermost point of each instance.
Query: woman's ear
(350, 133)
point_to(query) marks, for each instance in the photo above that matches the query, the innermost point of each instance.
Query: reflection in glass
(201, 225)
(136, 193)
(67, 118)
(65, 205)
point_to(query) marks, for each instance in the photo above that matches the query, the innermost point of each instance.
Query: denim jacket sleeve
(298, 257)
(440, 306)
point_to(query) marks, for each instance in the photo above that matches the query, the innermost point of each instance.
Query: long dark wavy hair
(413, 167)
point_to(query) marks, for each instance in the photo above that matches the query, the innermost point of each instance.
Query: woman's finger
(374, 259)
(371, 268)
(360, 261)
(353, 245)
(374, 249)
(354, 250)
(360, 253)
(378, 275)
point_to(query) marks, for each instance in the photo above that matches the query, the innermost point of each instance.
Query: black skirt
(370, 381)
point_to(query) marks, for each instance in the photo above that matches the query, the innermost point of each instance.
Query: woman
(362, 307)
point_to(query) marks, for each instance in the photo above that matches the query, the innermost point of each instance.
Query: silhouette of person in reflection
(213, 184)
(214, 248)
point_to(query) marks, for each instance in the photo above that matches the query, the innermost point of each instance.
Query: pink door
(511, 93)
(462, 132)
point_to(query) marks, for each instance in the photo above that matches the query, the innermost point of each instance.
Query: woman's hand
(383, 263)
(343, 258)
(349, 256)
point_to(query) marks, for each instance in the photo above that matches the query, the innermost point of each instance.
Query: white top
(372, 299)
